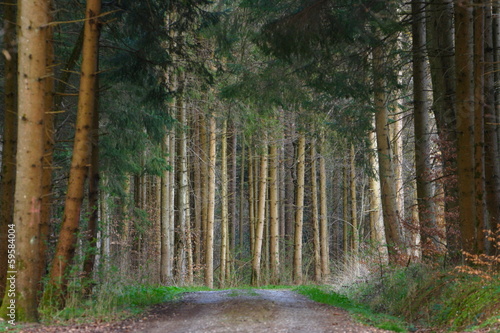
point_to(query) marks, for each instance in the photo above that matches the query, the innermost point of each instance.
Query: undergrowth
(431, 298)
(361, 312)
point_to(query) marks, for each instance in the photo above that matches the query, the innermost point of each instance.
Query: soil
(253, 310)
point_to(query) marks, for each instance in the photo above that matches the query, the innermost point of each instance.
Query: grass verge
(361, 312)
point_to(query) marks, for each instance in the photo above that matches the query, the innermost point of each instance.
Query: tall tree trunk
(377, 231)
(242, 197)
(299, 210)
(93, 194)
(354, 208)
(224, 250)
(274, 222)
(315, 213)
(346, 226)
(182, 193)
(440, 49)
(491, 147)
(81, 153)
(165, 249)
(32, 19)
(8, 178)
(425, 190)
(251, 199)
(392, 226)
(323, 213)
(478, 72)
(465, 122)
(261, 218)
(196, 164)
(232, 183)
(209, 240)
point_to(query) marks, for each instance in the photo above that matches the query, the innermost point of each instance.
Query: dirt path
(233, 311)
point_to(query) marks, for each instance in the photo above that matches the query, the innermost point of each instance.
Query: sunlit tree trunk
(181, 207)
(81, 152)
(393, 234)
(299, 210)
(242, 197)
(8, 177)
(274, 222)
(32, 20)
(209, 239)
(421, 102)
(261, 218)
(377, 231)
(465, 122)
(165, 248)
(196, 163)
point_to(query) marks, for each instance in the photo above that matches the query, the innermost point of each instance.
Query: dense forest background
(244, 142)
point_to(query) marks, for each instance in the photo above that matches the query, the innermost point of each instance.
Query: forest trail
(254, 310)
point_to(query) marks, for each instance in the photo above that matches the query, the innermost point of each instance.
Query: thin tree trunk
(425, 189)
(81, 153)
(376, 217)
(354, 206)
(465, 122)
(165, 249)
(479, 171)
(224, 209)
(299, 210)
(274, 222)
(251, 199)
(209, 241)
(491, 148)
(393, 234)
(315, 213)
(323, 214)
(8, 178)
(346, 227)
(260, 221)
(242, 197)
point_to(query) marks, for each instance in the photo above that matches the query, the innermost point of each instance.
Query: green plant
(360, 312)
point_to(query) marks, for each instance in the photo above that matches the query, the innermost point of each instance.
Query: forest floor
(253, 310)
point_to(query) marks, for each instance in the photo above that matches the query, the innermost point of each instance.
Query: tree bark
(274, 221)
(478, 72)
(491, 147)
(354, 206)
(32, 20)
(323, 214)
(224, 247)
(315, 213)
(209, 241)
(81, 153)
(261, 218)
(299, 210)
(392, 226)
(465, 123)
(8, 179)
(421, 102)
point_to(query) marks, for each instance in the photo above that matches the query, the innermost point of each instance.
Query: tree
(392, 226)
(8, 183)
(299, 210)
(425, 191)
(32, 21)
(81, 153)
(465, 122)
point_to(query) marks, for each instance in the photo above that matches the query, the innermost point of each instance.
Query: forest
(230, 143)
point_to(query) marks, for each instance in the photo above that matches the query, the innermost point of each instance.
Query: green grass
(359, 311)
